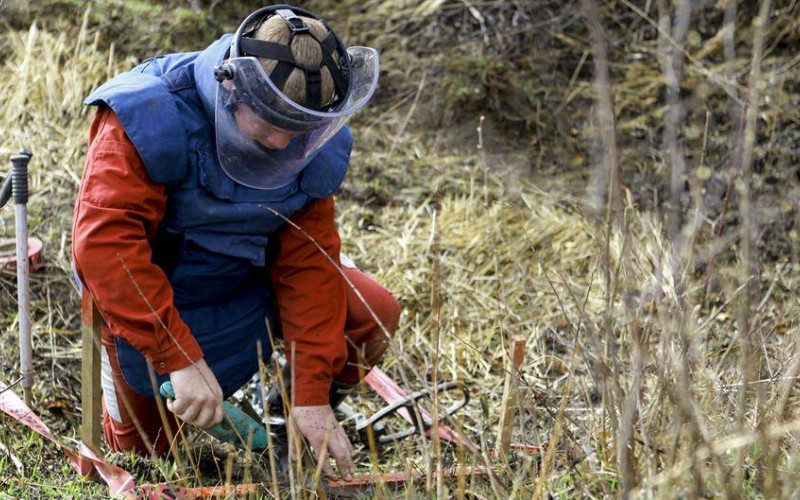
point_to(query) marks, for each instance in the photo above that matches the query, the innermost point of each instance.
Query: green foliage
(484, 83)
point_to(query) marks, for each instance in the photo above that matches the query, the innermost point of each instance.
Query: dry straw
(632, 380)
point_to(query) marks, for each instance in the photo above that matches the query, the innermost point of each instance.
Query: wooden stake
(90, 372)
(508, 410)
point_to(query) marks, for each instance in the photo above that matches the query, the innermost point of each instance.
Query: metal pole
(19, 174)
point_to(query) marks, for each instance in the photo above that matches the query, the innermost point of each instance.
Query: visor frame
(253, 166)
(315, 118)
(242, 80)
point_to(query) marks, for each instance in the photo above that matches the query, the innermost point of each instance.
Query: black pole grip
(19, 176)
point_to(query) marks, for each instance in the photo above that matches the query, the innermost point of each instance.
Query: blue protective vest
(213, 241)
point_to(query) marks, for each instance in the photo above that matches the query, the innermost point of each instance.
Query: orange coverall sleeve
(312, 301)
(117, 213)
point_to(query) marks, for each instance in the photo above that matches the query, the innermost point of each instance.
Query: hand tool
(421, 421)
(236, 425)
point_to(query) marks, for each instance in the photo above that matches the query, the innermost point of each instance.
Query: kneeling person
(196, 163)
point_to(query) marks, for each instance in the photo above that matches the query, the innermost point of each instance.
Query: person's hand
(319, 426)
(198, 397)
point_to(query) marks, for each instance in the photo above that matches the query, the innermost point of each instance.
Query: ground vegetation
(617, 182)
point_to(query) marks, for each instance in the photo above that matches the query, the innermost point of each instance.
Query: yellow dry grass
(611, 315)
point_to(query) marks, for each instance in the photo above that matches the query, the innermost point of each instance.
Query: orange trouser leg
(367, 341)
(123, 409)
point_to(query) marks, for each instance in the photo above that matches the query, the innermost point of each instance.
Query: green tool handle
(236, 425)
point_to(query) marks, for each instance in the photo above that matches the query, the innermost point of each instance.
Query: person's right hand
(198, 397)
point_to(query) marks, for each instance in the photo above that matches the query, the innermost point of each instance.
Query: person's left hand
(319, 426)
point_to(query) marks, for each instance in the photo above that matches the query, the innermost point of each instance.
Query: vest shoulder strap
(148, 112)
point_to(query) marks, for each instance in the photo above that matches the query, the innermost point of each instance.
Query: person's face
(254, 127)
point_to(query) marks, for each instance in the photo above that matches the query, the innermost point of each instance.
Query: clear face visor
(264, 139)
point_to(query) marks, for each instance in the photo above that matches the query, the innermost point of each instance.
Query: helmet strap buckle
(295, 23)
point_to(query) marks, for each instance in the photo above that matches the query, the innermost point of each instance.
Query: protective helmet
(244, 86)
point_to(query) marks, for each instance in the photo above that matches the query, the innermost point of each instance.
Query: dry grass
(635, 379)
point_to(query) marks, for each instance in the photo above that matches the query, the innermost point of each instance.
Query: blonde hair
(306, 52)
